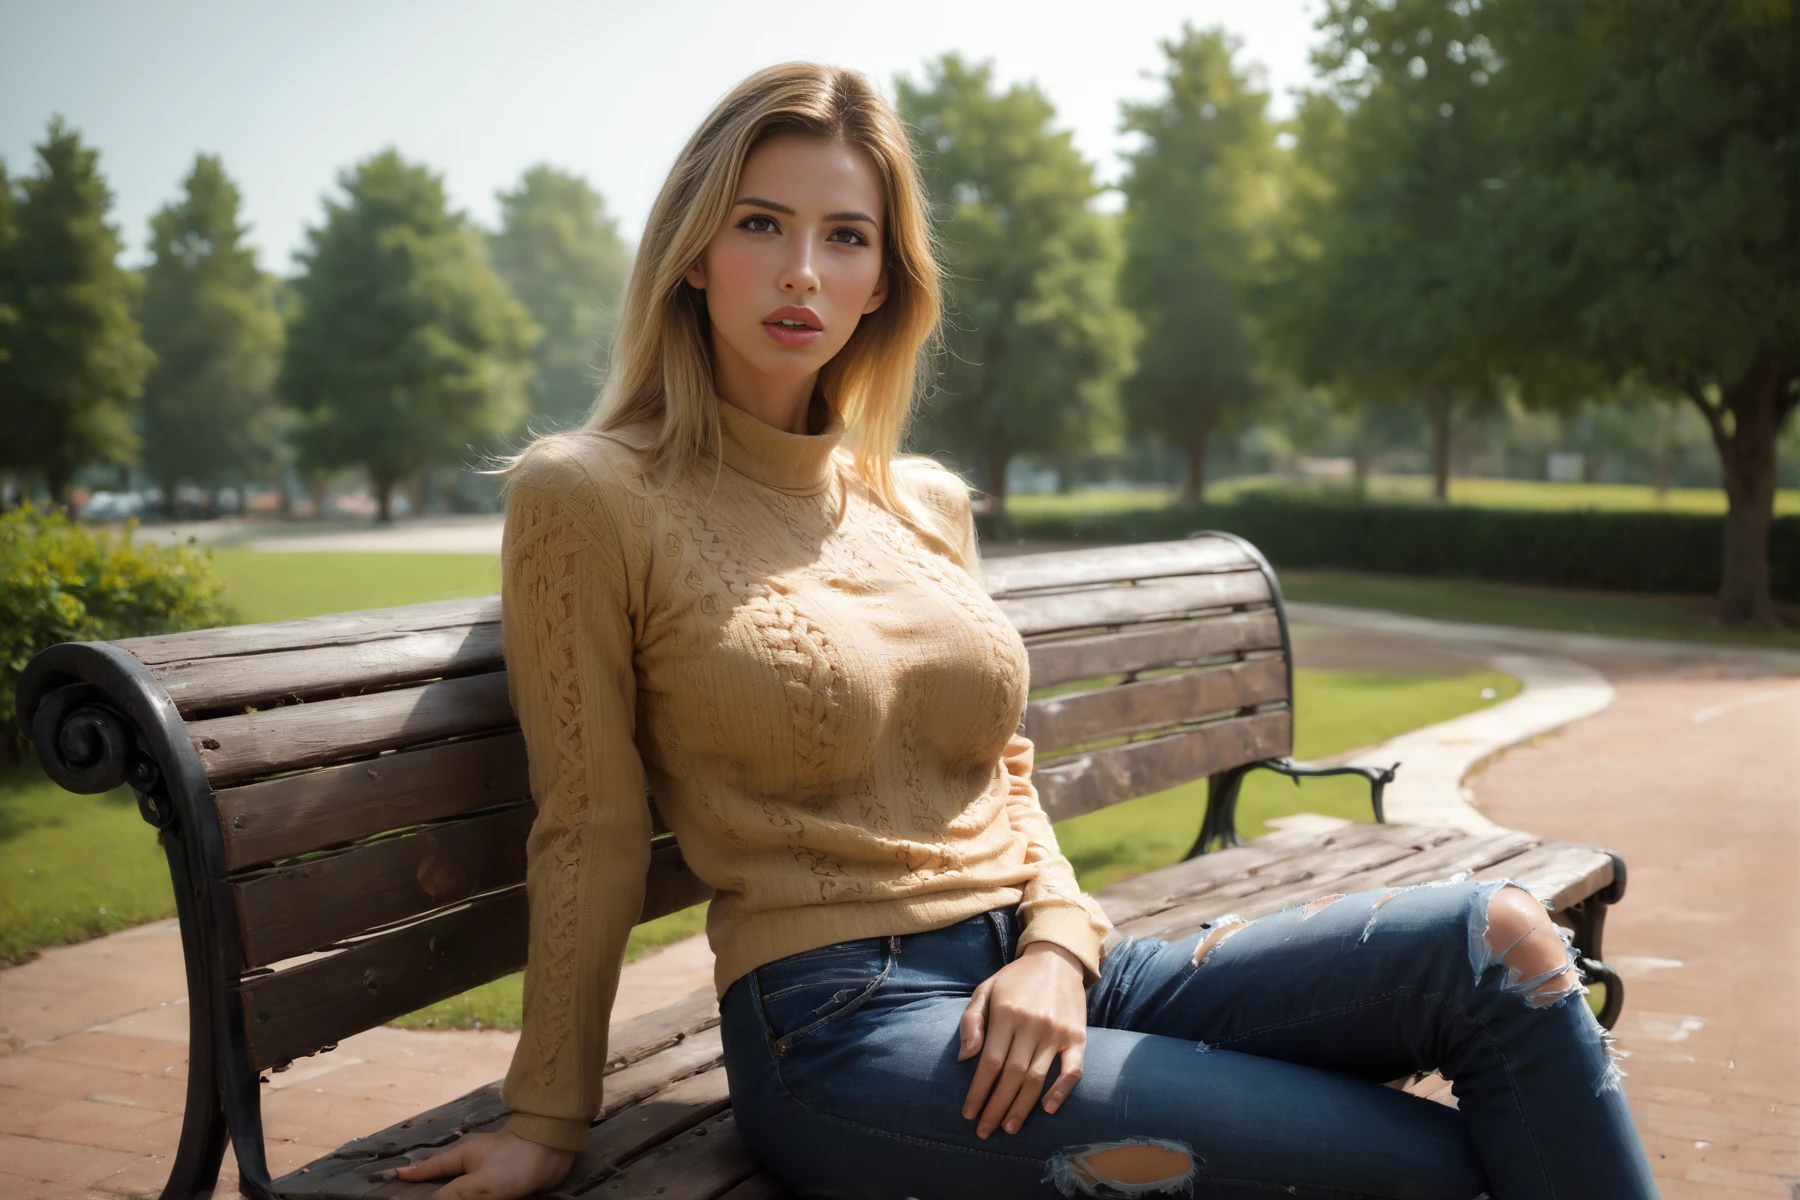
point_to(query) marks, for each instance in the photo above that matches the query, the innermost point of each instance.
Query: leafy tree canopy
(563, 258)
(71, 355)
(406, 351)
(1037, 338)
(209, 313)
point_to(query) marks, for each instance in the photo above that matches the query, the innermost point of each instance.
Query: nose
(799, 275)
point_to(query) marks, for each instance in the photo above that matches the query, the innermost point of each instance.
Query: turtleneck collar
(799, 464)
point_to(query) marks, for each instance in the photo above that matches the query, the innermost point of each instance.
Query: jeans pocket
(799, 994)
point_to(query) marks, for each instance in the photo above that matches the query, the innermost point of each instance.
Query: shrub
(61, 581)
(1613, 551)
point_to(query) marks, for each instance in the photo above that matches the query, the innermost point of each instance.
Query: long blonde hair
(661, 366)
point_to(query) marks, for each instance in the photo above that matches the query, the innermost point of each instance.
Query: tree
(1372, 289)
(564, 260)
(407, 349)
(71, 356)
(1648, 228)
(1198, 201)
(1037, 338)
(209, 313)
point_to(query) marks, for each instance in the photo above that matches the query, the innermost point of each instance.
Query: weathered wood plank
(699, 1164)
(309, 735)
(1082, 783)
(335, 629)
(1076, 718)
(318, 1003)
(643, 1126)
(1177, 596)
(295, 814)
(650, 1033)
(1561, 874)
(1059, 660)
(291, 910)
(232, 682)
(758, 1187)
(1015, 573)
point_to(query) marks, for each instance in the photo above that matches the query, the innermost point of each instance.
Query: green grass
(52, 844)
(1612, 614)
(1334, 711)
(282, 586)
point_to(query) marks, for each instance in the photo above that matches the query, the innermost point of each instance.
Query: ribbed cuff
(559, 1133)
(1071, 929)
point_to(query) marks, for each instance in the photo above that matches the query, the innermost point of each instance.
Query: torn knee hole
(1222, 928)
(1540, 964)
(1132, 1168)
(1322, 902)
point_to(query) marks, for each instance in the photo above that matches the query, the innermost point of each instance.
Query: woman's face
(796, 264)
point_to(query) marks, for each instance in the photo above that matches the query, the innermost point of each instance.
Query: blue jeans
(1264, 1063)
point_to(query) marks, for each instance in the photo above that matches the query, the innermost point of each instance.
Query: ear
(879, 294)
(696, 275)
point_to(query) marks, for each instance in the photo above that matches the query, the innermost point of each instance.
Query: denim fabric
(1264, 1062)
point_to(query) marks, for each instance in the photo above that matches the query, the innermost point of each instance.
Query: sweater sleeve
(1054, 908)
(567, 637)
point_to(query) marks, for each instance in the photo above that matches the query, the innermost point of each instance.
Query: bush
(1611, 551)
(61, 581)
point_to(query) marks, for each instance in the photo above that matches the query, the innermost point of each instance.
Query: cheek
(734, 282)
(855, 278)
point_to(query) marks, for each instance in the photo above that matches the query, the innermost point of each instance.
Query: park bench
(344, 807)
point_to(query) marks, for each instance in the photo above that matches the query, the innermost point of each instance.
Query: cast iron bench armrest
(1220, 823)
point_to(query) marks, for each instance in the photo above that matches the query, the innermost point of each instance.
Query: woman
(730, 585)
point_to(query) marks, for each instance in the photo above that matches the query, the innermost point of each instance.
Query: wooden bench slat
(1176, 596)
(210, 684)
(296, 814)
(1071, 786)
(334, 629)
(291, 910)
(318, 1003)
(696, 1165)
(309, 735)
(653, 1120)
(1076, 718)
(1160, 644)
(1017, 573)
(1562, 874)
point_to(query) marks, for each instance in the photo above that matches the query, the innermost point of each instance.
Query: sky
(290, 95)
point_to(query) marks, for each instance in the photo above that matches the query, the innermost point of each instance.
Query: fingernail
(1012, 1127)
(384, 1176)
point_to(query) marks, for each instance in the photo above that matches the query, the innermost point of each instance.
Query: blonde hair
(661, 366)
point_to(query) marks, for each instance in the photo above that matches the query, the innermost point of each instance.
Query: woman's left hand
(1019, 1019)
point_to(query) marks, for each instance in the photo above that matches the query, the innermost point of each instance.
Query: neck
(781, 402)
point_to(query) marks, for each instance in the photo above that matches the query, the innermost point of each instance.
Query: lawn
(1612, 614)
(281, 586)
(1479, 493)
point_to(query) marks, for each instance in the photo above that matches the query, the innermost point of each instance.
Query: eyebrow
(759, 202)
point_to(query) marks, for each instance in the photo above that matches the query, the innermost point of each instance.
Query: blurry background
(1468, 290)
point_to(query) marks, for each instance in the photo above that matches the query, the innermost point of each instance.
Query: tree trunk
(57, 477)
(384, 499)
(169, 489)
(998, 455)
(1664, 419)
(1193, 487)
(1439, 404)
(1759, 404)
(317, 490)
(1360, 464)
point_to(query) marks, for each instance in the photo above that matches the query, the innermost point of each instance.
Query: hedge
(1612, 551)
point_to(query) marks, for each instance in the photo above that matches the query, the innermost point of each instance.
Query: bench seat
(667, 1130)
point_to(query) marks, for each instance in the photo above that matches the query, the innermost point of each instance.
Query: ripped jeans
(1262, 1065)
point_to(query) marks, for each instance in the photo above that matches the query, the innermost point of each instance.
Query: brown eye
(758, 223)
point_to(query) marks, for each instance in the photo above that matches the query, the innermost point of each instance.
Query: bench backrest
(351, 798)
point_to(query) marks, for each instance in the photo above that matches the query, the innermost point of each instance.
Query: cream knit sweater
(822, 697)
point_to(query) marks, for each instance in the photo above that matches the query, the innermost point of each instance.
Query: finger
(1030, 1088)
(1068, 1077)
(974, 1021)
(450, 1162)
(989, 1065)
(1006, 1088)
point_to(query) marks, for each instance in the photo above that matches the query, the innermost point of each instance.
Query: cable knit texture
(820, 694)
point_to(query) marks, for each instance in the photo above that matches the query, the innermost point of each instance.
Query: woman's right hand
(492, 1166)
